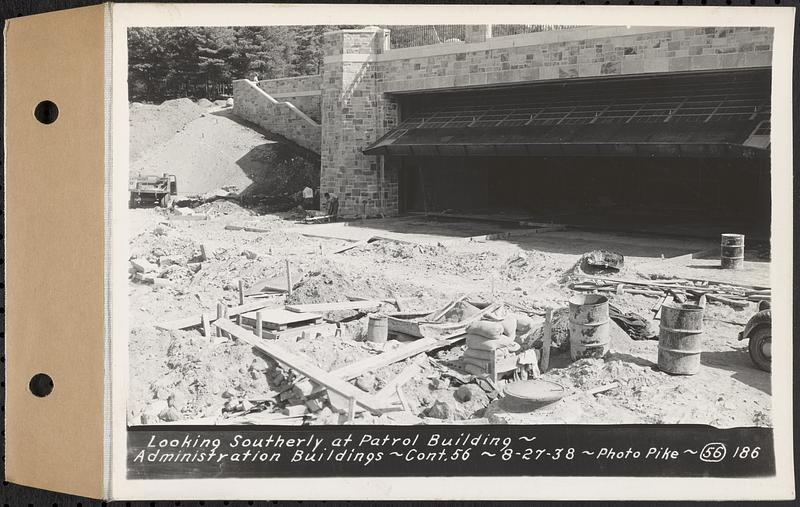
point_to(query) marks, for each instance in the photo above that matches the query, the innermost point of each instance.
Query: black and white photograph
(450, 224)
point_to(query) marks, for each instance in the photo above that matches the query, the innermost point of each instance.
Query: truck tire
(760, 347)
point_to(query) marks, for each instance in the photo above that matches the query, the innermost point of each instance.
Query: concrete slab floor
(651, 254)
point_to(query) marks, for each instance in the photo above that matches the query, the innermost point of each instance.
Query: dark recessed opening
(46, 112)
(41, 385)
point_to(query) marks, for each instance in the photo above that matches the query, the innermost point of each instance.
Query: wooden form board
(332, 307)
(300, 364)
(279, 319)
(196, 320)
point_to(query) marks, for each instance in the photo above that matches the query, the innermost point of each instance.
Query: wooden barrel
(588, 326)
(378, 328)
(732, 251)
(680, 339)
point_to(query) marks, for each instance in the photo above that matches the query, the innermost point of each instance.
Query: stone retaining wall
(302, 91)
(255, 105)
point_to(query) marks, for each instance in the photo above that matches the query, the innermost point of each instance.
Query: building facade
(439, 126)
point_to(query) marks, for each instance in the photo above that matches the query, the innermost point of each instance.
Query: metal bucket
(680, 339)
(732, 251)
(378, 328)
(588, 326)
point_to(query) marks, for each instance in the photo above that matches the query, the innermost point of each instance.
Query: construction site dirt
(220, 261)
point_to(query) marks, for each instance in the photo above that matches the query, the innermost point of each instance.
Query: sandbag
(486, 354)
(481, 343)
(490, 330)
(510, 326)
(481, 363)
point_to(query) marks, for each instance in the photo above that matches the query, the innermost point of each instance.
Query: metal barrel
(588, 326)
(680, 339)
(732, 251)
(378, 328)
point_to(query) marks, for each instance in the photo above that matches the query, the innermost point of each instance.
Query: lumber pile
(737, 296)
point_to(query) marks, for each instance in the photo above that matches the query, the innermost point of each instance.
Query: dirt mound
(223, 207)
(208, 150)
(326, 282)
(152, 125)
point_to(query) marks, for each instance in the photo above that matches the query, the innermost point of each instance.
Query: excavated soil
(184, 375)
(209, 148)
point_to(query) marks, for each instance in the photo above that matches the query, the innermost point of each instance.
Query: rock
(142, 265)
(183, 211)
(177, 400)
(160, 230)
(149, 419)
(246, 405)
(171, 260)
(170, 414)
(251, 255)
(150, 414)
(440, 410)
(366, 382)
(229, 102)
(162, 393)
(227, 393)
(471, 392)
(255, 374)
(440, 383)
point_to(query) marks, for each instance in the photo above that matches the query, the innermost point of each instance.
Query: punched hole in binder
(46, 112)
(41, 385)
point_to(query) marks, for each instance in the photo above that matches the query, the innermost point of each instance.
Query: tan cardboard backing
(54, 251)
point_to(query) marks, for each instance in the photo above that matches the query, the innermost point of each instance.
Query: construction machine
(758, 331)
(152, 190)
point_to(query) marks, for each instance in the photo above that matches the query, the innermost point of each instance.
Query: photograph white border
(781, 486)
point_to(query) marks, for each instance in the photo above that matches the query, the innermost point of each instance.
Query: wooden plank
(547, 340)
(353, 370)
(301, 365)
(390, 389)
(273, 317)
(196, 320)
(297, 332)
(332, 307)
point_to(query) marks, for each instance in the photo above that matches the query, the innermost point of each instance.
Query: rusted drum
(588, 326)
(378, 328)
(732, 251)
(680, 338)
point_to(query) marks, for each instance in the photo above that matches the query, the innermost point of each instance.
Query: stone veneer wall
(359, 75)
(302, 91)
(354, 115)
(255, 105)
(574, 53)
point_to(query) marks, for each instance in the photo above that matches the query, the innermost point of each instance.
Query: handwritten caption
(366, 449)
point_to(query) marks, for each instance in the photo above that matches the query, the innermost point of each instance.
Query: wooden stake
(203, 256)
(220, 314)
(206, 326)
(547, 340)
(241, 292)
(259, 329)
(288, 279)
(225, 316)
(351, 410)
